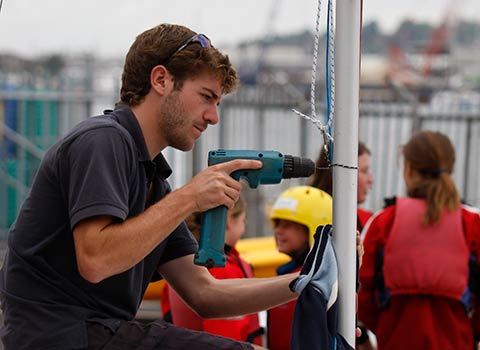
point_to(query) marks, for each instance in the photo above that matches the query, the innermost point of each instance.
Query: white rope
(318, 124)
(324, 129)
(315, 60)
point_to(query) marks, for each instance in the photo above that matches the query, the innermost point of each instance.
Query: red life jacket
(244, 328)
(165, 304)
(438, 264)
(279, 324)
(362, 218)
(182, 314)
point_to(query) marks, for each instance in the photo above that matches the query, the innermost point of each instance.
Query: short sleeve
(96, 172)
(180, 243)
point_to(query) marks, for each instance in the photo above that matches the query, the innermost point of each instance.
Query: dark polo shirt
(102, 167)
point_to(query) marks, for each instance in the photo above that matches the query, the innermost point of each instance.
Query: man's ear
(161, 80)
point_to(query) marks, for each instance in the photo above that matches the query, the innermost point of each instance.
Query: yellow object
(154, 290)
(305, 205)
(262, 254)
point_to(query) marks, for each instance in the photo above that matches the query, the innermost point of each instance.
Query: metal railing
(252, 118)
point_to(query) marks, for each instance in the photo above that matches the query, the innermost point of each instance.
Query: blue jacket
(315, 319)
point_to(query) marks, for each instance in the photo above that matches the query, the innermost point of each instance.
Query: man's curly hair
(157, 46)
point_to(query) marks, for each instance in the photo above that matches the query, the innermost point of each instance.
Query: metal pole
(345, 153)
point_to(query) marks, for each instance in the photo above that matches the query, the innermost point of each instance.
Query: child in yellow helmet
(295, 216)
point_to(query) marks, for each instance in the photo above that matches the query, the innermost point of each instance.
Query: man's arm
(105, 248)
(213, 298)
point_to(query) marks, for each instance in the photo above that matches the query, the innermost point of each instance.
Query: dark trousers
(158, 335)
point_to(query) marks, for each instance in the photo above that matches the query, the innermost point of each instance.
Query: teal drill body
(276, 167)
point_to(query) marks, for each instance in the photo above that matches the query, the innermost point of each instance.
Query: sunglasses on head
(202, 39)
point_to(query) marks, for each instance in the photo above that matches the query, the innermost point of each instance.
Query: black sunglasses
(202, 39)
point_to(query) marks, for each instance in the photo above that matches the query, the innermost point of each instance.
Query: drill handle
(212, 238)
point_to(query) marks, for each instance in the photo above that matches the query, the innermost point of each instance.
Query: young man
(101, 221)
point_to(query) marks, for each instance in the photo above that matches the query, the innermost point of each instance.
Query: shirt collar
(125, 117)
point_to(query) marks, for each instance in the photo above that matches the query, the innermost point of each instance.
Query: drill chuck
(294, 167)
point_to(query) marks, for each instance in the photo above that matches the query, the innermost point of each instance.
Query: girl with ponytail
(419, 278)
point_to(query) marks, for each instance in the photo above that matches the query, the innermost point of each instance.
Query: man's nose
(211, 116)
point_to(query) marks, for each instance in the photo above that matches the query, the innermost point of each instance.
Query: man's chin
(184, 146)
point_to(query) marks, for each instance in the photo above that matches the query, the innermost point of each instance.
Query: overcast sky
(108, 27)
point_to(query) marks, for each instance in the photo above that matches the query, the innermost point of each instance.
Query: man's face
(186, 113)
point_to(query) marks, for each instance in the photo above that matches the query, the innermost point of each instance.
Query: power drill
(276, 167)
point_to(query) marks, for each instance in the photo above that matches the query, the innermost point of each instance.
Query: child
(416, 280)
(296, 214)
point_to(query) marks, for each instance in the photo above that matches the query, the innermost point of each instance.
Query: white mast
(345, 152)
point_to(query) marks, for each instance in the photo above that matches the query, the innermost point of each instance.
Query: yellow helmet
(305, 205)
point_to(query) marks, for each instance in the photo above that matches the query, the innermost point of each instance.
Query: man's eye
(207, 97)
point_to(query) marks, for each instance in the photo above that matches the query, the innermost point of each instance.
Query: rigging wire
(330, 77)
(330, 66)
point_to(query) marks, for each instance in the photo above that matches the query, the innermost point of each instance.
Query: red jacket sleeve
(471, 223)
(375, 234)
(165, 300)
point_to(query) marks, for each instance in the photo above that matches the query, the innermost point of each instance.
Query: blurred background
(61, 62)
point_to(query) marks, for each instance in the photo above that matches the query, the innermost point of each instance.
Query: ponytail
(432, 156)
(442, 194)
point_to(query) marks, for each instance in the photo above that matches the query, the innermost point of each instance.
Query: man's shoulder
(103, 123)
(99, 129)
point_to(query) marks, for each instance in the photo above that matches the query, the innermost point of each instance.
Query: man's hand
(214, 186)
(360, 250)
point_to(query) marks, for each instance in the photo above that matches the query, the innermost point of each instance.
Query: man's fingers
(236, 164)
(233, 195)
(217, 187)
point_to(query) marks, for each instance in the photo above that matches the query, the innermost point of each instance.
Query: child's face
(365, 178)
(291, 237)
(235, 228)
